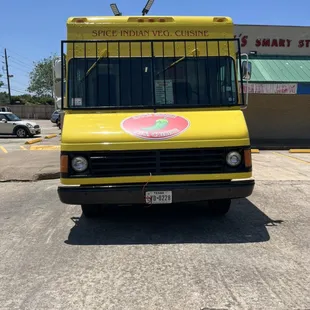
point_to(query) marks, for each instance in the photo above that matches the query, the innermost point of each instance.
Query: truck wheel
(21, 132)
(91, 211)
(219, 207)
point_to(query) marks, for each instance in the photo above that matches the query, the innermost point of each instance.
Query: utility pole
(7, 74)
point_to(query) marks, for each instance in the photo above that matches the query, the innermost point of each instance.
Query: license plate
(158, 197)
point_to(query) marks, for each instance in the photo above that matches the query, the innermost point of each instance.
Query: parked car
(55, 118)
(10, 124)
(5, 109)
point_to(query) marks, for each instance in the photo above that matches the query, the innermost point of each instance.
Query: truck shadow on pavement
(244, 223)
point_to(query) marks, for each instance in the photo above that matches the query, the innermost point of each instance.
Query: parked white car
(10, 124)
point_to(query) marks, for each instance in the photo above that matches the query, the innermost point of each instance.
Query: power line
(16, 68)
(19, 63)
(17, 90)
(18, 84)
(23, 56)
(22, 60)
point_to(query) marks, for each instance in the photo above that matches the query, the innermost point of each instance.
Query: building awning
(280, 69)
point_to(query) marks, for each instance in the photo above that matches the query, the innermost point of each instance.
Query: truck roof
(185, 20)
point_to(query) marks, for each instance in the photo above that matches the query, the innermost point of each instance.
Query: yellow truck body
(153, 111)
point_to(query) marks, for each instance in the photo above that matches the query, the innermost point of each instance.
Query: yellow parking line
(23, 148)
(44, 147)
(3, 149)
(255, 151)
(291, 157)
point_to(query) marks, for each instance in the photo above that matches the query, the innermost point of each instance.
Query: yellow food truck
(153, 113)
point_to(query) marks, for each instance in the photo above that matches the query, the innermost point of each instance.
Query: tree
(4, 98)
(1, 83)
(41, 78)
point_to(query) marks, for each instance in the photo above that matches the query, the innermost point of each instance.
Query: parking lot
(10, 144)
(257, 257)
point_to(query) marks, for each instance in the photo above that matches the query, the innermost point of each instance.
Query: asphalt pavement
(257, 257)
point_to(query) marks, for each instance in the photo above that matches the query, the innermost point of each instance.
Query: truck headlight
(233, 159)
(79, 164)
(29, 125)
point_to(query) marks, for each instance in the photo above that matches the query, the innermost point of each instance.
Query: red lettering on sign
(244, 41)
(282, 43)
(266, 42)
(304, 43)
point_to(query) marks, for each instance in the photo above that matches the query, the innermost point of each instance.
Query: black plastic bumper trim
(133, 193)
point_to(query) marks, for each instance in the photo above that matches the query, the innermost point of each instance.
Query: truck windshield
(149, 82)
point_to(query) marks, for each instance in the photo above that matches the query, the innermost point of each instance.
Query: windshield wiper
(177, 61)
(103, 55)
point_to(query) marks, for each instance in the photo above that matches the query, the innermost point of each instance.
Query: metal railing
(146, 74)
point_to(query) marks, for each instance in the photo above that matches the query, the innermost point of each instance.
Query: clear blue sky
(32, 30)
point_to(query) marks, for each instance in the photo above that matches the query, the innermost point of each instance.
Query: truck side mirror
(57, 68)
(246, 70)
(57, 89)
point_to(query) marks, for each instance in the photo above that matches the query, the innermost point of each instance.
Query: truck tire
(219, 207)
(91, 211)
(21, 132)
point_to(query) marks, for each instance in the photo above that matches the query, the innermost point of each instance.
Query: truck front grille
(157, 162)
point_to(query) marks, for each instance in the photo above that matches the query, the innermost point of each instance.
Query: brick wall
(279, 119)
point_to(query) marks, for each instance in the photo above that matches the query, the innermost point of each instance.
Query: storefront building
(279, 102)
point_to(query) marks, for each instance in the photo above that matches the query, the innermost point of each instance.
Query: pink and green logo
(155, 126)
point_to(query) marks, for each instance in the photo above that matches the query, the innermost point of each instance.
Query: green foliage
(1, 83)
(30, 100)
(4, 98)
(41, 78)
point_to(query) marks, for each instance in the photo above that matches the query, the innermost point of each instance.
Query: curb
(51, 136)
(299, 151)
(34, 141)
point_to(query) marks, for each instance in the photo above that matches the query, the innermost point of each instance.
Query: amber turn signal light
(64, 163)
(248, 158)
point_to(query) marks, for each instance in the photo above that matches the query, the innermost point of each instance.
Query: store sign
(275, 40)
(147, 33)
(285, 89)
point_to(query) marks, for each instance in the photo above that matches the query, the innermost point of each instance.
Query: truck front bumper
(134, 193)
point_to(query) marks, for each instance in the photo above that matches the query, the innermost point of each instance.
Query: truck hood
(148, 130)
